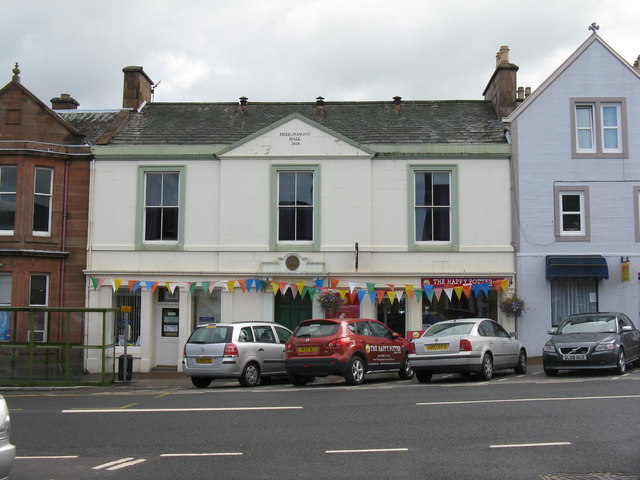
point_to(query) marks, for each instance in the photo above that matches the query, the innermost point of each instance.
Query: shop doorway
(393, 315)
(167, 334)
(290, 310)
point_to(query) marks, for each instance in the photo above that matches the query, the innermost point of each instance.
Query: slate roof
(411, 122)
(92, 124)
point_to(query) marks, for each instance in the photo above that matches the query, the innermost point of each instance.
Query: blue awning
(577, 266)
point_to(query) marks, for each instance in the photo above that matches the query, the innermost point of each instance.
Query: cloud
(296, 50)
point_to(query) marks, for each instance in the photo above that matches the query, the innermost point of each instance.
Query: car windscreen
(458, 328)
(211, 334)
(604, 324)
(316, 329)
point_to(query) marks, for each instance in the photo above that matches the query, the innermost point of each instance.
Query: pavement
(162, 379)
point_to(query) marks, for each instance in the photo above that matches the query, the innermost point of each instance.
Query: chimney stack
(501, 89)
(64, 102)
(137, 88)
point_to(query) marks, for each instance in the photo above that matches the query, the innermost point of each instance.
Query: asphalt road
(574, 426)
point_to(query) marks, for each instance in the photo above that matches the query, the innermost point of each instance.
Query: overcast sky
(296, 50)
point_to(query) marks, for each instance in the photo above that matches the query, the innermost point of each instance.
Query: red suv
(349, 347)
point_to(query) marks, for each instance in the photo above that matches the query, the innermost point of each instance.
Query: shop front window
(126, 298)
(572, 295)
(206, 307)
(477, 304)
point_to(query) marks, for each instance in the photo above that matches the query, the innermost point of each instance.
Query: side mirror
(552, 331)
(513, 335)
(627, 328)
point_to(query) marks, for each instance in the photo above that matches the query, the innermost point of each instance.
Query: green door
(290, 311)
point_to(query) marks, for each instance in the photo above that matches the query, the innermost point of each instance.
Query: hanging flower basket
(330, 302)
(512, 305)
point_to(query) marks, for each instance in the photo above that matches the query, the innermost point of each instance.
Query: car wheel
(621, 364)
(424, 377)
(550, 373)
(487, 367)
(298, 380)
(406, 372)
(200, 382)
(250, 375)
(355, 371)
(521, 367)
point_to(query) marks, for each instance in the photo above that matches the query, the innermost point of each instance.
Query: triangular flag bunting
(458, 291)
(409, 290)
(361, 294)
(418, 294)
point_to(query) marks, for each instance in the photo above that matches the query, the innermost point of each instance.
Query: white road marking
(110, 464)
(47, 457)
(369, 450)
(520, 445)
(211, 454)
(520, 400)
(127, 464)
(164, 410)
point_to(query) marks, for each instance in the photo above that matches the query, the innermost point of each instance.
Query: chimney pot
(527, 91)
(503, 55)
(319, 101)
(397, 100)
(635, 64)
(520, 93)
(243, 101)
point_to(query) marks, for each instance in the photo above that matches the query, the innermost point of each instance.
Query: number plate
(574, 356)
(207, 361)
(438, 346)
(313, 349)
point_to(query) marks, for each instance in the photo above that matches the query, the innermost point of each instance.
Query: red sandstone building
(44, 204)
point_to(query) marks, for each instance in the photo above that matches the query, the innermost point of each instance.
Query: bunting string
(351, 292)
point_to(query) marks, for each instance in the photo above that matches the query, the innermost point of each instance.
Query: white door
(167, 335)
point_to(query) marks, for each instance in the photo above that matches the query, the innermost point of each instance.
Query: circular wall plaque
(292, 262)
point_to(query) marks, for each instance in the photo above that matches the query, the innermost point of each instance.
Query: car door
(367, 342)
(630, 339)
(510, 348)
(389, 349)
(487, 336)
(270, 351)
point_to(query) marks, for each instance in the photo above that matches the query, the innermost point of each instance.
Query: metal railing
(57, 346)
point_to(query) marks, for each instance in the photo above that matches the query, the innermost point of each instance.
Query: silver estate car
(591, 341)
(248, 351)
(468, 345)
(7, 450)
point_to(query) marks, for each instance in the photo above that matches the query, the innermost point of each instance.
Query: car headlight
(603, 347)
(5, 428)
(549, 348)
